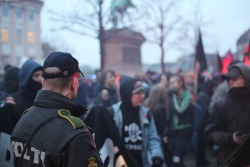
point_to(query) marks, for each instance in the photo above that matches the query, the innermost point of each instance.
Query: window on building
(32, 14)
(4, 35)
(19, 12)
(30, 37)
(5, 9)
(19, 36)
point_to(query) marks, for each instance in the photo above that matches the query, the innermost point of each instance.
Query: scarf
(180, 105)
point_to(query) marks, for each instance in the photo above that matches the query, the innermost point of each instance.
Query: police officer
(50, 133)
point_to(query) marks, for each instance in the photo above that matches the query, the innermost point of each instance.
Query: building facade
(242, 42)
(20, 36)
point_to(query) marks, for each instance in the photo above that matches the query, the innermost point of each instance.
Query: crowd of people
(159, 121)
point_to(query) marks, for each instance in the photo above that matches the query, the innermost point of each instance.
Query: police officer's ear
(42, 82)
(75, 84)
(74, 87)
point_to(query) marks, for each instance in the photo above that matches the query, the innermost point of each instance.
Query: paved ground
(190, 160)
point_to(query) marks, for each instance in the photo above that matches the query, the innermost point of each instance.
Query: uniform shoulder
(74, 121)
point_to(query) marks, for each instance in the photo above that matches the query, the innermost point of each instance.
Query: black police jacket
(51, 134)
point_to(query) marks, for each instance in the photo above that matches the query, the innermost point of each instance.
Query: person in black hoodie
(29, 83)
(6, 67)
(8, 114)
(136, 125)
(10, 82)
(228, 125)
(13, 106)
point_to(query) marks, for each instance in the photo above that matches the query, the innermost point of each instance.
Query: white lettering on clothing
(18, 148)
(133, 147)
(26, 156)
(38, 155)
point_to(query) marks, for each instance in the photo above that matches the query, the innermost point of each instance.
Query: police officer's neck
(69, 94)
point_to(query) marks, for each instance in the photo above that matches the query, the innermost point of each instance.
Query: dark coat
(8, 117)
(57, 141)
(230, 114)
(8, 113)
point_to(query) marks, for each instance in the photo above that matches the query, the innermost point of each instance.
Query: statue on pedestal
(119, 9)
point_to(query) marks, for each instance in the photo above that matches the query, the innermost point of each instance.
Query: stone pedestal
(123, 51)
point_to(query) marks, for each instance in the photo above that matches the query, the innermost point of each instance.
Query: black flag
(108, 141)
(200, 58)
(219, 61)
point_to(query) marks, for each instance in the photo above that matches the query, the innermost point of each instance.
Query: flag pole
(196, 70)
(196, 64)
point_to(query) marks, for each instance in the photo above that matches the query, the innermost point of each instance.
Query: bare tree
(161, 21)
(170, 28)
(88, 19)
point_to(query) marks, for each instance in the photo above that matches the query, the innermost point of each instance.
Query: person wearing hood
(51, 133)
(136, 124)
(6, 67)
(10, 81)
(29, 84)
(222, 89)
(21, 87)
(8, 113)
(228, 125)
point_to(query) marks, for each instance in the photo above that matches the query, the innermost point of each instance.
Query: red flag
(226, 60)
(246, 60)
(247, 49)
(246, 54)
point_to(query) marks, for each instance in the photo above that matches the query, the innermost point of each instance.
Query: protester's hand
(165, 139)
(105, 94)
(157, 161)
(7, 101)
(239, 137)
(10, 100)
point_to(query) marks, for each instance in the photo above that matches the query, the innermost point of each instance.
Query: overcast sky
(228, 19)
